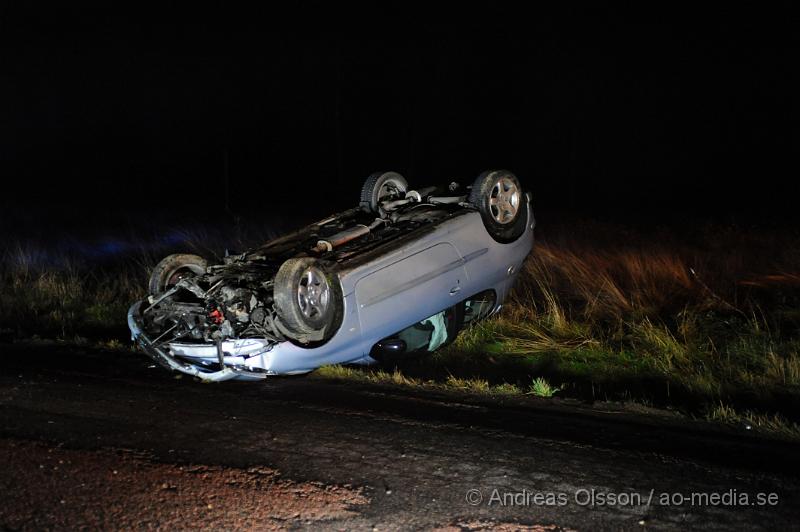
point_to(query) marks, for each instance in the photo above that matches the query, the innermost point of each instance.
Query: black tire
(379, 185)
(172, 268)
(505, 221)
(308, 316)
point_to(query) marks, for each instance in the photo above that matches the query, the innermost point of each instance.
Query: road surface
(99, 439)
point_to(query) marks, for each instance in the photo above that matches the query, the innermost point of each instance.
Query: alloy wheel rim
(504, 200)
(313, 293)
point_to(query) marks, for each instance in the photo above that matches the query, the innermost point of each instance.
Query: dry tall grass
(710, 318)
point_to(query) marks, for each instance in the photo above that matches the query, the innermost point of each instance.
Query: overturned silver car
(401, 273)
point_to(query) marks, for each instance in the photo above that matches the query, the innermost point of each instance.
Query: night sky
(600, 113)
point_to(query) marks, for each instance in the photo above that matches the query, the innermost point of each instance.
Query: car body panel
(422, 283)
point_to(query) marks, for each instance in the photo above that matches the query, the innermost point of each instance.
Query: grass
(775, 423)
(66, 301)
(541, 388)
(705, 322)
(397, 377)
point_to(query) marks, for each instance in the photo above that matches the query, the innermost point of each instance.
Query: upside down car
(401, 273)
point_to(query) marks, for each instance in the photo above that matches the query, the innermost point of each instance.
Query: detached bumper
(229, 371)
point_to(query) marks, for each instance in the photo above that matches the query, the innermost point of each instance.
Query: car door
(409, 290)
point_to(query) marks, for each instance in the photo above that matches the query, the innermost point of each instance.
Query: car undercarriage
(235, 298)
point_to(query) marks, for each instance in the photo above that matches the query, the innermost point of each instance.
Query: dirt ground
(97, 439)
(52, 487)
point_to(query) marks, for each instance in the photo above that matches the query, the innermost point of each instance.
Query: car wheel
(498, 196)
(307, 299)
(172, 269)
(380, 186)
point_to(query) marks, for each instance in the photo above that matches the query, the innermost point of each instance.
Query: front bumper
(232, 366)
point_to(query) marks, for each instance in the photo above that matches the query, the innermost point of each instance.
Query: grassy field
(705, 322)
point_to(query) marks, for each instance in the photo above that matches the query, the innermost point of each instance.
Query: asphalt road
(99, 439)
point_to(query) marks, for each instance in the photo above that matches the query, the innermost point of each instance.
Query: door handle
(455, 290)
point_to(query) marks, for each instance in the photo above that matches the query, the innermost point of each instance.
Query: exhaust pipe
(342, 237)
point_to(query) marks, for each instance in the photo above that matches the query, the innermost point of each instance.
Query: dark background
(636, 115)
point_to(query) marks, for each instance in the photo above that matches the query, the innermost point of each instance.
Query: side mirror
(388, 348)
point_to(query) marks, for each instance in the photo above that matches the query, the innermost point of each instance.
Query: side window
(426, 335)
(479, 306)
(441, 328)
